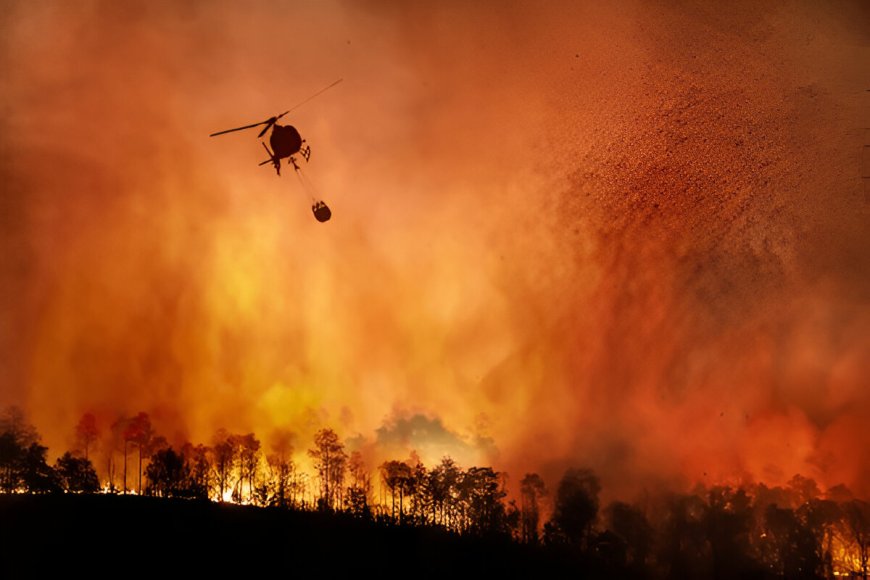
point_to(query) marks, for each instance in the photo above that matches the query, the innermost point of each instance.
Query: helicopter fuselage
(285, 141)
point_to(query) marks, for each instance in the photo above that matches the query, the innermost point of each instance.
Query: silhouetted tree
(684, 551)
(17, 437)
(765, 496)
(198, 469)
(112, 443)
(789, 547)
(840, 494)
(223, 453)
(856, 525)
(512, 518)
(13, 421)
(444, 489)
(611, 550)
(532, 489)
(330, 461)
(37, 475)
(300, 489)
(396, 476)
(280, 466)
(630, 524)
(802, 490)
(248, 456)
(821, 516)
(140, 433)
(360, 486)
(728, 522)
(77, 474)
(87, 433)
(11, 454)
(421, 497)
(121, 433)
(167, 474)
(576, 507)
(482, 495)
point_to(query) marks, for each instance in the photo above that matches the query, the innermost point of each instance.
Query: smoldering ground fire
(630, 238)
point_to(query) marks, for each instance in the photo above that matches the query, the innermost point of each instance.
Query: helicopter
(286, 142)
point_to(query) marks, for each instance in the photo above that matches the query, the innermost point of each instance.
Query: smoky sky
(629, 237)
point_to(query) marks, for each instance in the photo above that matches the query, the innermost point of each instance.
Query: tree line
(795, 531)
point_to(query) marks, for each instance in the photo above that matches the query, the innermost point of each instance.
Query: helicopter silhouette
(286, 142)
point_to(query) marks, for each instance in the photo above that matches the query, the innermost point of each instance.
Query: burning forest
(605, 257)
(793, 531)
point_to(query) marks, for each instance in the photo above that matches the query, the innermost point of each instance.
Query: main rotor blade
(239, 128)
(269, 123)
(317, 94)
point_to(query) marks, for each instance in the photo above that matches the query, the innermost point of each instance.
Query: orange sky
(632, 238)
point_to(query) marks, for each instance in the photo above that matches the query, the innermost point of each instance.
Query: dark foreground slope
(104, 534)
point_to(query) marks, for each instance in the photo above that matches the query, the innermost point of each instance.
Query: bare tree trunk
(326, 478)
(863, 546)
(125, 466)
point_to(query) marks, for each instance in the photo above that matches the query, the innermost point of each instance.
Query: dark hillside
(104, 534)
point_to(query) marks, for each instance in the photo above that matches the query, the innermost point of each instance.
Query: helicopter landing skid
(275, 161)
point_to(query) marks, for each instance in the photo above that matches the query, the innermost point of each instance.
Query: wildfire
(620, 251)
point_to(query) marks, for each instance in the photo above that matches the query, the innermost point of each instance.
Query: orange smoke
(626, 238)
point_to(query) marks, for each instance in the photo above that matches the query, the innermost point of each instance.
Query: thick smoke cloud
(630, 238)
